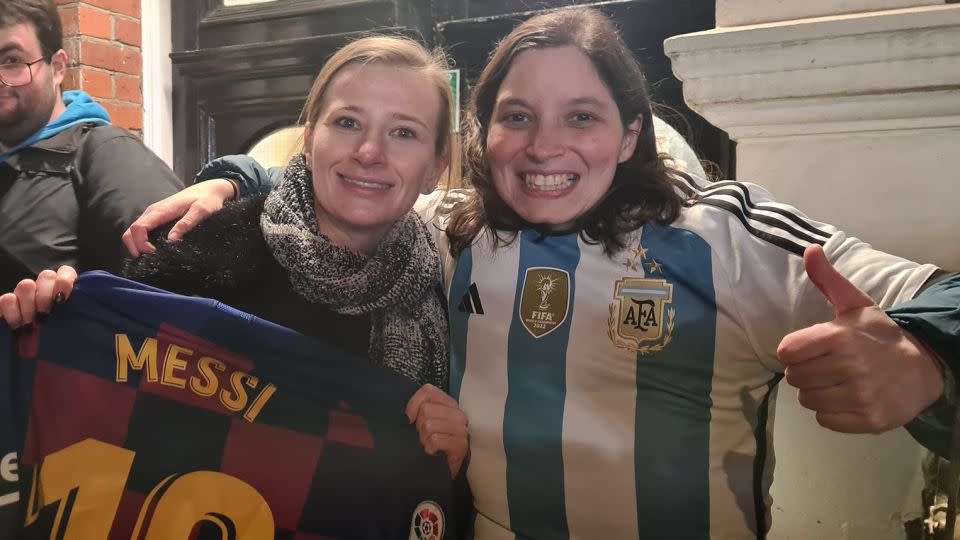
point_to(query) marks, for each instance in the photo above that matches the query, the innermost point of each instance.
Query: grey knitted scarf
(399, 286)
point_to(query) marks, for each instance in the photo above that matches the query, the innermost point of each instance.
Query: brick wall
(102, 39)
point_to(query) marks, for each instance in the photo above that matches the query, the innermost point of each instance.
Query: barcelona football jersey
(141, 414)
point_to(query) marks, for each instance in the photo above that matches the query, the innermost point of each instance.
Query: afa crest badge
(641, 318)
(428, 522)
(544, 300)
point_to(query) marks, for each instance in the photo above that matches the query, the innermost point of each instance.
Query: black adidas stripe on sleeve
(741, 189)
(771, 222)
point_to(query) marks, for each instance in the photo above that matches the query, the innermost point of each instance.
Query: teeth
(549, 182)
(368, 185)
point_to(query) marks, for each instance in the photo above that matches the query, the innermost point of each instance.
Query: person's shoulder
(696, 188)
(110, 159)
(115, 146)
(730, 200)
(235, 227)
(732, 211)
(65, 141)
(93, 136)
(225, 251)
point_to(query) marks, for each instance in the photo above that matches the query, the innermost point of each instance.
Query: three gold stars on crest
(639, 255)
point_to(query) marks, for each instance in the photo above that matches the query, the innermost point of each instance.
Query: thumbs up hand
(861, 372)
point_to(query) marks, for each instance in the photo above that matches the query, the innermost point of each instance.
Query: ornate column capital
(878, 71)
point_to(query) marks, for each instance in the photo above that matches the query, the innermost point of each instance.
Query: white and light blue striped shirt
(631, 396)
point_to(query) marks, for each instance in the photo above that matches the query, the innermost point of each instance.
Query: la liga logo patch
(428, 522)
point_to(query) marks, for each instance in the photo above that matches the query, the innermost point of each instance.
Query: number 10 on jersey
(87, 481)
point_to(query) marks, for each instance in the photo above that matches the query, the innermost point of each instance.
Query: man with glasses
(70, 183)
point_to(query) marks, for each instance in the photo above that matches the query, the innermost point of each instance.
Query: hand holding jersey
(441, 424)
(246, 425)
(31, 298)
(861, 372)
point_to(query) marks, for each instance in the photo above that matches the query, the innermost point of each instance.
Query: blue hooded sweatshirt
(80, 110)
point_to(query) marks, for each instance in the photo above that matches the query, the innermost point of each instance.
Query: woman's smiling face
(555, 136)
(373, 150)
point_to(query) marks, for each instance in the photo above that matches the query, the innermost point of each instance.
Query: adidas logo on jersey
(470, 303)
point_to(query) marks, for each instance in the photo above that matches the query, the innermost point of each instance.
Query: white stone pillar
(854, 117)
(744, 12)
(157, 79)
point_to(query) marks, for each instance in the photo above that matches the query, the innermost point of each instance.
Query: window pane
(276, 149)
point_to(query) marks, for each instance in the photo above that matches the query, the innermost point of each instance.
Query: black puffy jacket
(67, 200)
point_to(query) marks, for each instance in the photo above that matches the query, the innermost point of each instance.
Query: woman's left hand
(441, 424)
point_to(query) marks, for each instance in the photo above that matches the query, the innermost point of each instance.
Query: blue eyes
(352, 124)
(405, 133)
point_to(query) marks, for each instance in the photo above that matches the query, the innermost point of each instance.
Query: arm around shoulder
(251, 178)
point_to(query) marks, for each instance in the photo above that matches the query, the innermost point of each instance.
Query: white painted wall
(855, 119)
(896, 189)
(743, 12)
(157, 75)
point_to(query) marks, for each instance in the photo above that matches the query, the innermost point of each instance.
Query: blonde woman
(335, 252)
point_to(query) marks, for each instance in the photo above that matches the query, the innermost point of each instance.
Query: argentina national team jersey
(630, 396)
(141, 414)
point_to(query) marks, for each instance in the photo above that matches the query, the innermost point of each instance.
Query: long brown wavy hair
(642, 189)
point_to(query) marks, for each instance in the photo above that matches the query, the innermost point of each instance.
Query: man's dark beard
(19, 129)
(20, 124)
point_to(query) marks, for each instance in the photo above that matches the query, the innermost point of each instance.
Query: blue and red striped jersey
(141, 414)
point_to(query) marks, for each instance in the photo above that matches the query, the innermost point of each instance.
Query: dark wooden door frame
(243, 71)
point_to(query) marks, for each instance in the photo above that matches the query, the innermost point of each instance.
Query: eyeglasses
(17, 73)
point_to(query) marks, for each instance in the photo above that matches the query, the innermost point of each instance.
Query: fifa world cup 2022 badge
(427, 522)
(641, 318)
(544, 300)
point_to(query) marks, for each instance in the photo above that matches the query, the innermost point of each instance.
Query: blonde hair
(396, 51)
